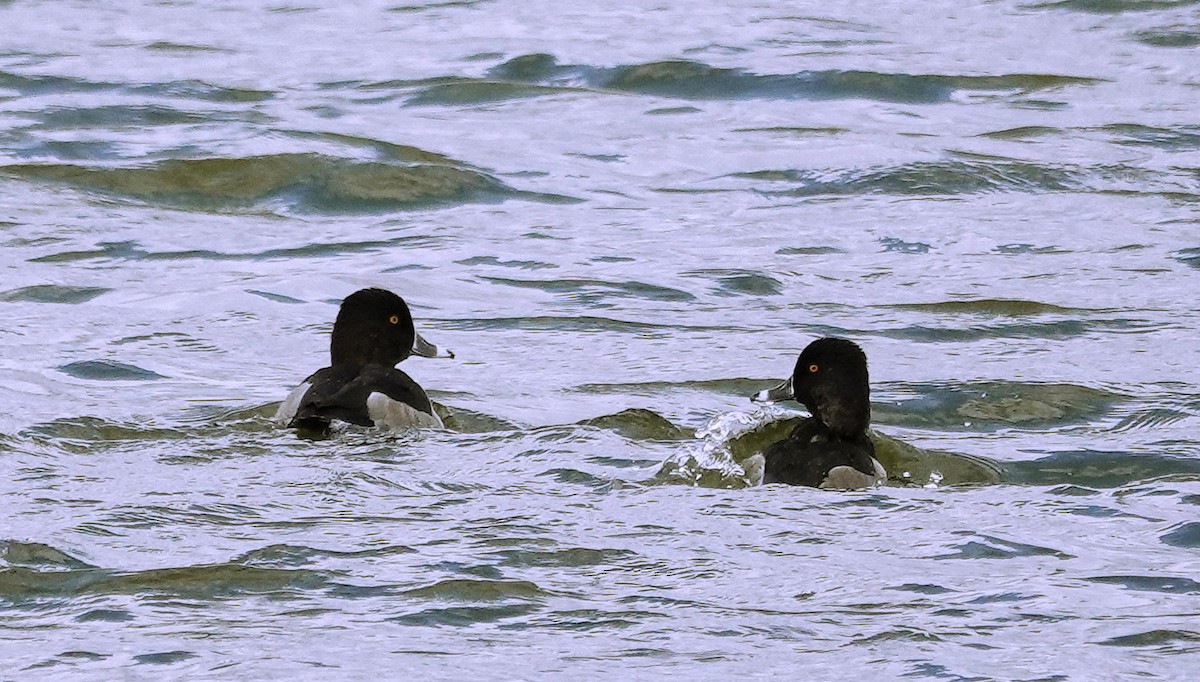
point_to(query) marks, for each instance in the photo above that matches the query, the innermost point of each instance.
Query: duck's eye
(394, 319)
(814, 368)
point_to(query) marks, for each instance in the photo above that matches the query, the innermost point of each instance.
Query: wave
(305, 181)
(535, 75)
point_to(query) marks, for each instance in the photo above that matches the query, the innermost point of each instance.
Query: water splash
(709, 461)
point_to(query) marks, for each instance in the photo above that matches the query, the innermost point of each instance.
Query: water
(624, 221)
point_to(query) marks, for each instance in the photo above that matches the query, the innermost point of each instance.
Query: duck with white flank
(373, 332)
(830, 449)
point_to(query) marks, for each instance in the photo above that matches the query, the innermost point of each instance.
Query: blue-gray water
(600, 207)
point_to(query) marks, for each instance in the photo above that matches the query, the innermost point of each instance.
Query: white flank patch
(393, 414)
(287, 409)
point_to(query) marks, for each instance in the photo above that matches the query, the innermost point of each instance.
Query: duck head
(374, 326)
(831, 380)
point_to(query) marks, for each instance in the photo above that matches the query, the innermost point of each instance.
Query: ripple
(594, 291)
(130, 250)
(639, 424)
(1147, 583)
(575, 557)
(38, 554)
(990, 405)
(988, 547)
(108, 370)
(1115, 6)
(1189, 257)
(740, 282)
(994, 307)
(1098, 469)
(1186, 535)
(686, 79)
(105, 616)
(1155, 638)
(204, 582)
(283, 555)
(53, 293)
(460, 589)
(184, 89)
(466, 616)
(311, 182)
(163, 657)
(927, 178)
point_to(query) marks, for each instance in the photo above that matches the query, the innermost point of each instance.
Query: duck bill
(425, 349)
(773, 395)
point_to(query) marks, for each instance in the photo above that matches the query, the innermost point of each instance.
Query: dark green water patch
(640, 424)
(84, 434)
(108, 370)
(467, 421)
(117, 116)
(686, 79)
(1148, 583)
(991, 405)
(1115, 6)
(591, 291)
(575, 557)
(311, 182)
(1186, 535)
(1099, 468)
(794, 131)
(580, 323)
(186, 89)
(1022, 133)
(519, 264)
(169, 46)
(19, 584)
(163, 657)
(468, 91)
(1185, 138)
(1189, 256)
(131, 250)
(1026, 249)
(809, 251)
(928, 178)
(105, 616)
(989, 547)
(1152, 418)
(736, 387)
(467, 616)
(536, 75)
(896, 245)
(739, 282)
(579, 478)
(1161, 639)
(462, 589)
(1024, 329)
(290, 556)
(1165, 37)
(34, 554)
(993, 307)
(53, 293)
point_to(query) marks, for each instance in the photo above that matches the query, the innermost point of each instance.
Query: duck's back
(366, 395)
(812, 455)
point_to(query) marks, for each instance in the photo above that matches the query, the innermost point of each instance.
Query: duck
(831, 448)
(373, 333)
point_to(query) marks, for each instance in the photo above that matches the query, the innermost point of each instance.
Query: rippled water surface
(624, 220)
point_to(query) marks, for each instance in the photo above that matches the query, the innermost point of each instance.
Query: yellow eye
(813, 368)
(394, 319)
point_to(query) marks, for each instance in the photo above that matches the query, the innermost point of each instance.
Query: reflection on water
(624, 223)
